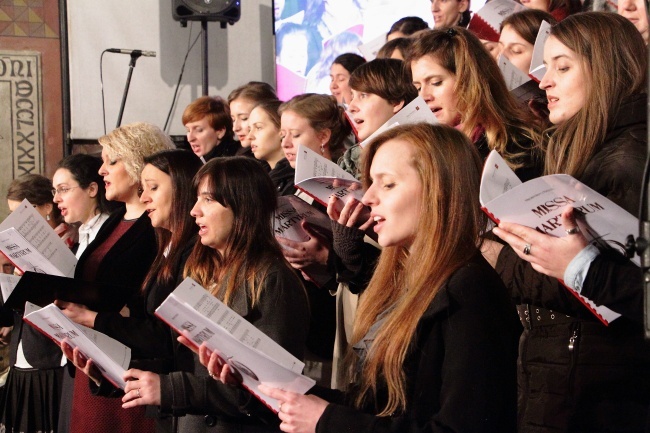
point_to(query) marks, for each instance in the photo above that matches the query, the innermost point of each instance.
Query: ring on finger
(137, 393)
(573, 231)
(527, 248)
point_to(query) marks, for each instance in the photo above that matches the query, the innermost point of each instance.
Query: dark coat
(283, 176)
(601, 382)
(460, 370)
(282, 313)
(126, 263)
(227, 147)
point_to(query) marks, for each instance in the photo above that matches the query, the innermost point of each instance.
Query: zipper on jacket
(574, 346)
(572, 340)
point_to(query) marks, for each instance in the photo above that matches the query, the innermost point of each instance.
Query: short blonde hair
(132, 143)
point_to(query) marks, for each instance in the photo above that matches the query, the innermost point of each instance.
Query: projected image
(310, 34)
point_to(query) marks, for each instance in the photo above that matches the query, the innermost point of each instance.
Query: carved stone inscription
(21, 115)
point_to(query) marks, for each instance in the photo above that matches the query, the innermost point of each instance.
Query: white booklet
(193, 312)
(370, 49)
(31, 244)
(320, 178)
(486, 22)
(7, 285)
(537, 67)
(415, 112)
(539, 203)
(111, 357)
(520, 85)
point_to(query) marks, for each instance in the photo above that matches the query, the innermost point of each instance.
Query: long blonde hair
(615, 67)
(483, 98)
(447, 236)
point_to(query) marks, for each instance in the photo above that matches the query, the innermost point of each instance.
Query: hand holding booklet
(111, 357)
(320, 178)
(287, 223)
(193, 312)
(539, 203)
(31, 244)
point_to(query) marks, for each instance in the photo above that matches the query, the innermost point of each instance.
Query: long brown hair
(615, 68)
(242, 185)
(180, 166)
(483, 98)
(449, 169)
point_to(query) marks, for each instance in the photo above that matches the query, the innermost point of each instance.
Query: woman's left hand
(547, 254)
(77, 313)
(217, 368)
(142, 388)
(87, 365)
(298, 413)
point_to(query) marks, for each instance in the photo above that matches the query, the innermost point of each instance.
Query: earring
(322, 149)
(47, 217)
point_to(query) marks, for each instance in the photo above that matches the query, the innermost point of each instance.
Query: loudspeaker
(226, 11)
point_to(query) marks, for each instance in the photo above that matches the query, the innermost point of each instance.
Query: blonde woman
(121, 253)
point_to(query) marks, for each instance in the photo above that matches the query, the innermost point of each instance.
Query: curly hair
(132, 143)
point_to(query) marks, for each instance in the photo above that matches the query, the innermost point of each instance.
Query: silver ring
(573, 231)
(527, 248)
(137, 393)
(211, 375)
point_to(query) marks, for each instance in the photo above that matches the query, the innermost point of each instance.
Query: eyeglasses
(62, 190)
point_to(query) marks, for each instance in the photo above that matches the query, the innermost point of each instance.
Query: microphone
(132, 52)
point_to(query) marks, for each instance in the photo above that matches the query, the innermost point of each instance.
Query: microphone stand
(134, 57)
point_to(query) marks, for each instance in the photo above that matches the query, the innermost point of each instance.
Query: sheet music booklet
(539, 203)
(193, 312)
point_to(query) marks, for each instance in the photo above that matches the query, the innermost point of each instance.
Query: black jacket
(601, 382)
(283, 176)
(227, 147)
(460, 370)
(126, 263)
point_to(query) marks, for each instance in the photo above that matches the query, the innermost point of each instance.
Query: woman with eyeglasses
(80, 196)
(29, 401)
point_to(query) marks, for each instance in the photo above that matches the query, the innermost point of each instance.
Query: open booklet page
(7, 285)
(201, 317)
(416, 111)
(32, 245)
(539, 203)
(370, 49)
(320, 178)
(486, 22)
(111, 357)
(537, 67)
(520, 85)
